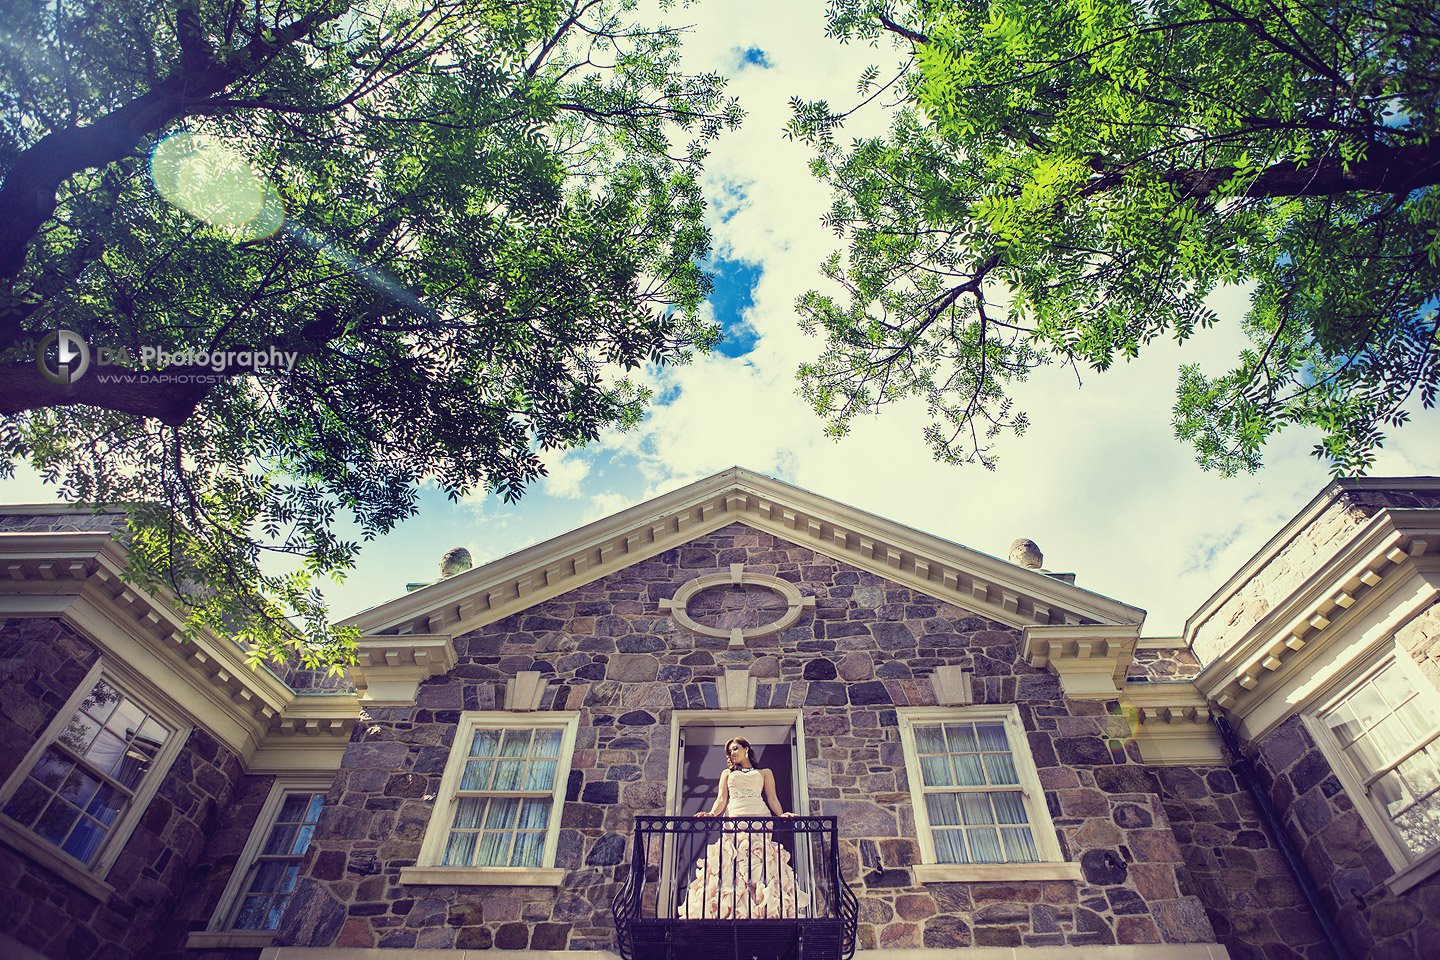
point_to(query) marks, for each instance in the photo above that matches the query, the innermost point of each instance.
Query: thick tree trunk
(1384, 170)
(169, 396)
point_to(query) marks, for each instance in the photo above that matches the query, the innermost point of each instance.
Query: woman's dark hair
(749, 750)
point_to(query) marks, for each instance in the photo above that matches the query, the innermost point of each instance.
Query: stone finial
(456, 560)
(1026, 554)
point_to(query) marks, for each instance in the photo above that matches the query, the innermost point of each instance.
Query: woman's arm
(722, 799)
(770, 799)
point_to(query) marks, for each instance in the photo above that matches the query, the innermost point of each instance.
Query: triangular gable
(991, 587)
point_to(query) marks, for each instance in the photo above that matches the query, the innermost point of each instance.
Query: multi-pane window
(1387, 729)
(502, 792)
(81, 786)
(504, 801)
(270, 880)
(972, 793)
(976, 795)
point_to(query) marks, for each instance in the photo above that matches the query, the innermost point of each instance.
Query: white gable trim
(991, 587)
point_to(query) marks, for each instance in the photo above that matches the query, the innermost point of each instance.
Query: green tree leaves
(1074, 178)
(492, 212)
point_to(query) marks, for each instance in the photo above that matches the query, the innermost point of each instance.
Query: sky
(1098, 481)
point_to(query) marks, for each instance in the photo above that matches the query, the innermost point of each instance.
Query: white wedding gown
(744, 876)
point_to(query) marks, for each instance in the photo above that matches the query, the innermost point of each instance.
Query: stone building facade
(604, 651)
(1342, 603)
(836, 638)
(178, 807)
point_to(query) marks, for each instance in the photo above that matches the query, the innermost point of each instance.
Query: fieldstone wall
(1341, 854)
(1420, 637)
(608, 652)
(1305, 553)
(61, 921)
(200, 895)
(1234, 866)
(42, 661)
(55, 918)
(1108, 816)
(1178, 663)
(41, 664)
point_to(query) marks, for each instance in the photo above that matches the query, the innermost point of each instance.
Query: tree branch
(120, 389)
(1393, 170)
(908, 34)
(27, 198)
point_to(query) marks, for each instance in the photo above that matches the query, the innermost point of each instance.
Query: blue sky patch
(729, 200)
(734, 293)
(754, 57)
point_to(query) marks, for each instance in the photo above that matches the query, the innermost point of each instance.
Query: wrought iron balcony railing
(735, 888)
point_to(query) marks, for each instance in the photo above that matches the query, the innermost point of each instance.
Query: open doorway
(697, 760)
(702, 760)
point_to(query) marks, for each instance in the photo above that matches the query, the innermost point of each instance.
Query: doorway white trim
(736, 718)
(679, 719)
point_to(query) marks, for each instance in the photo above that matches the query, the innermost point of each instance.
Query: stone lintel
(389, 670)
(1091, 660)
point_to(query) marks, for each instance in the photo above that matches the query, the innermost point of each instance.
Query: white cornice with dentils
(78, 578)
(1090, 660)
(1372, 565)
(991, 587)
(1308, 515)
(1170, 721)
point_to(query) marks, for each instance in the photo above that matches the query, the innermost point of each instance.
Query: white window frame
(1050, 866)
(428, 868)
(90, 877)
(221, 933)
(1411, 868)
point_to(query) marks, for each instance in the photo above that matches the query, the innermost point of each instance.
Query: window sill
(232, 939)
(483, 876)
(981, 872)
(1422, 869)
(54, 860)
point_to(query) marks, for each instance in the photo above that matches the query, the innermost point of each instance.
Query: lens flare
(1122, 723)
(379, 282)
(215, 184)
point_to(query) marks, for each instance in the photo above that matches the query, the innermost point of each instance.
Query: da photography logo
(72, 357)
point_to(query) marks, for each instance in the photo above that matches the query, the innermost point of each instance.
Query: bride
(744, 875)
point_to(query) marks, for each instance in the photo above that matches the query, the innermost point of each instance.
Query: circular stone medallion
(738, 605)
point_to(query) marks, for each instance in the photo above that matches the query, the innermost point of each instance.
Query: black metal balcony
(735, 888)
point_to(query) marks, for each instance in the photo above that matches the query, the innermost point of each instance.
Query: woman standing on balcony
(744, 874)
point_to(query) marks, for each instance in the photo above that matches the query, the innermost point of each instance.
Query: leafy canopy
(490, 212)
(1065, 181)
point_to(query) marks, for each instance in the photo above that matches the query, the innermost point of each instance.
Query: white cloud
(565, 473)
(1098, 481)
